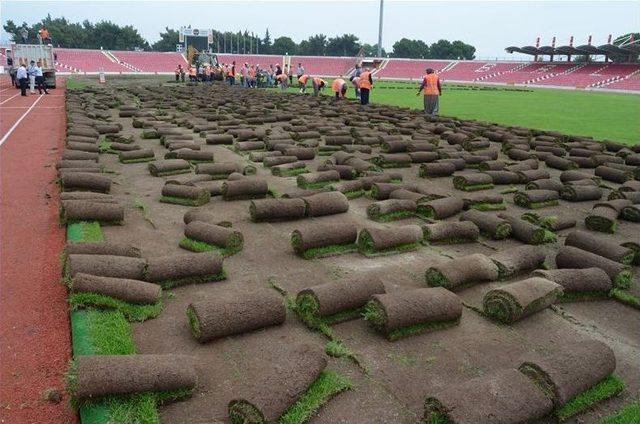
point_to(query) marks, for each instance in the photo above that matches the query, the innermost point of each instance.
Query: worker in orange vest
(177, 72)
(252, 76)
(339, 86)
(366, 84)
(231, 73)
(193, 73)
(302, 83)
(318, 84)
(431, 89)
(283, 80)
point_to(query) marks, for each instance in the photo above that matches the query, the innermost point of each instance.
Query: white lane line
(3, 90)
(25, 107)
(6, 136)
(6, 100)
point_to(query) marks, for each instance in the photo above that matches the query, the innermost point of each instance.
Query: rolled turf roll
(367, 182)
(351, 189)
(458, 163)
(132, 291)
(79, 155)
(190, 155)
(317, 179)
(246, 146)
(462, 271)
(582, 162)
(108, 128)
(550, 222)
(83, 147)
(423, 157)
(519, 154)
(410, 312)
(490, 225)
(211, 236)
(235, 313)
(503, 177)
(391, 209)
(527, 232)
(549, 184)
(193, 268)
(557, 162)
(264, 401)
(394, 146)
(518, 260)
(86, 195)
(302, 153)
(631, 213)
(269, 210)
(572, 257)
(329, 203)
(436, 169)
(161, 168)
(222, 170)
(392, 160)
(573, 369)
(534, 199)
(382, 191)
(484, 202)
(289, 169)
(600, 246)
(101, 375)
(381, 241)
(88, 210)
(409, 194)
(279, 160)
(318, 240)
(492, 165)
(603, 217)
(85, 181)
(441, 208)
(105, 266)
(259, 156)
(346, 172)
(630, 186)
(575, 193)
(246, 188)
(473, 182)
(634, 196)
(567, 176)
(135, 156)
(612, 174)
(507, 396)
(589, 281)
(102, 248)
(185, 195)
(451, 232)
(337, 301)
(515, 301)
(219, 139)
(83, 132)
(528, 175)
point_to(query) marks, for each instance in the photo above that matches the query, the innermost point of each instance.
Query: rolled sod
(462, 271)
(528, 175)
(518, 260)
(600, 246)
(279, 160)
(392, 160)
(473, 182)
(105, 266)
(68, 163)
(235, 313)
(527, 232)
(519, 154)
(451, 232)
(634, 196)
(270, 210)
(161, 168)
(247, 188)
(82, 132)
(384, 241)
(136, 156)
(410, 193)
(202, 237)
(614, 175)
(492, 165)
(578, 193)
(560, 163)
(571, 371)
(503, 397)
(549, 184)
(180, 269)
(259, 156)
(302, 153)
(409, 312)
(631, 213)
(489, 224)
(101, 375)
(382, 191)
(90, 210)
(346, 172)
(85, 181)
(329, 203)
(484, 202)
(79, 155)
(185, 195)
(368, 181)
(436, 169)
(289, 169)
(534, 199)
(193, 156)
(317, 179)
(518, 300)
(83, 147)
(630, 186)
(503, 177)
(441, 208)
(108, 128)
(219, 139)
(245, 146)
(572, 257)
(318, 240)
(337, 301)
(127, 290)
(222, 170)
(102, 248)
(423, 157)
(567, 176)
(351, 189)
(265, 401)
(590, 282)
(602, 218)
(635, 246)
(391, 209)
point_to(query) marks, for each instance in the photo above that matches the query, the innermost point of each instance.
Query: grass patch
(201, 246)
(131, 311)
(523, 201)
(184, 201)
(583, 296)
(601, 224)
(483, 206)
(607, 388)
(139, 160)
(84, 231)
(289, 172)
(623, 280)
(629, 414)
(366, 247)
(168, 284)
(460, 183)
(320, 252)
(76, 84)
(146, 214)
(509, 190)
(391, 216)
(625, 297)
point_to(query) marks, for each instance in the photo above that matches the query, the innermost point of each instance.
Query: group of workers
(33, 76)
(361, 79)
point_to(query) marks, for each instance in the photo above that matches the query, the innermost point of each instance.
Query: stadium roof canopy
(587, 49)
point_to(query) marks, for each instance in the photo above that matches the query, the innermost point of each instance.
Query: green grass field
(610, 116)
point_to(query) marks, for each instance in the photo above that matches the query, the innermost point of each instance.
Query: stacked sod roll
(515, 301)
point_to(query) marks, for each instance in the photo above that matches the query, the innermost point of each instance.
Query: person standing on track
(339, 87)
(31, 71)
(10, 67)
(366, 85)
(431, 89)
(22, 77)
(40, 83)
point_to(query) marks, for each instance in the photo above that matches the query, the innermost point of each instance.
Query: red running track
(35, 342)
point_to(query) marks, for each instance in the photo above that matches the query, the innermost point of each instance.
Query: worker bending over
(431, 89)
(318, 85)
(283, 80)
(366, 85)
(302, 83)
(339, 87)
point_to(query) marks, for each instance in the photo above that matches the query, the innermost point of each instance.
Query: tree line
(110, 36)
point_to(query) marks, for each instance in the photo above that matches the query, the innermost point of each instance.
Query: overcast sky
(490, 26)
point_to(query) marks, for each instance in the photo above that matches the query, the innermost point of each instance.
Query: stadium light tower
(380, 29)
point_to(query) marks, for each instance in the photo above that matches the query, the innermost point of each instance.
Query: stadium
(221, 228)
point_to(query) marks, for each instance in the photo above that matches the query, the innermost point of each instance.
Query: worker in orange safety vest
(339, 87)
(432, 90)
(366, 84)
(318, 85)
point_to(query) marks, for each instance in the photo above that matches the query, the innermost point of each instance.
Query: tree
(316, 45)
(265, 46)
(442, 49)
(167, 41)
(623, 39)
(372, 51)
(284, 45)
(343, 45)
(411, 49)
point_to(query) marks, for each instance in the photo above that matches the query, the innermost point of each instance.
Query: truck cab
(25, 53)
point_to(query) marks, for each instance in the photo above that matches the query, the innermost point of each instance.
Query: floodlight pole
(380, 29)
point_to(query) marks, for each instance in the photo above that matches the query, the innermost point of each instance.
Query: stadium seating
(150, 61)
(409, 68)
(324, 66)
(630, 82)
(589, 75)
(82, 60)
(476, 71)
(263, 60)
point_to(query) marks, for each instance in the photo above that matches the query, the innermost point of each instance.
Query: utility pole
(380, 29)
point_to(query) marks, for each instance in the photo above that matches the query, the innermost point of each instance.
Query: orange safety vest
(232, 71)
(430, 82)
(317, 81)
(178, 71)
(303, 79)
(364, 80)
(336, 85)
(252, 72)
(192, 71)
(282, 77)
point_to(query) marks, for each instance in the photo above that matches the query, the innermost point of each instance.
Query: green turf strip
(311, 186)
(488, 206)
(524, 202)
(167, 284)
(185, 202)
(131, 311)
(623, 280)
(601, 224)
(460, 184)
(354, 194)
(365, 247)
(583, 296)
(84, 231)
(629, 414)
(307, 308)
(607, 388)
(289, 172)
(175, 172)
(140, 160)
(391, 216)
(321, 252)
(201, 246)
(625, 297)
